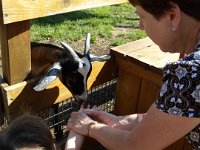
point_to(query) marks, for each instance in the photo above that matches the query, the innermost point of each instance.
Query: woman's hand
(80, 122)
(101, 116)
(122, 122)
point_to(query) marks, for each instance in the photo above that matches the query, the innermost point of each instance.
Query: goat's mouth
(81, 99)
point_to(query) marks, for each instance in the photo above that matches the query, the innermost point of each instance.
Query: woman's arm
(127, 122)
(74, 141)
(156, 131)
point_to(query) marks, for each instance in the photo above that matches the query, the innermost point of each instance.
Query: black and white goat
(72, 67)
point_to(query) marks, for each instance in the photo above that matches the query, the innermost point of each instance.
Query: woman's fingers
(81, 108)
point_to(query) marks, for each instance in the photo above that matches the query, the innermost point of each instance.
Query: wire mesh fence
(57, 115)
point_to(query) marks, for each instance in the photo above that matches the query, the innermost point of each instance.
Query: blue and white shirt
(180, 92)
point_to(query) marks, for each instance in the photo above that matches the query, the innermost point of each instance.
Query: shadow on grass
(71, 16)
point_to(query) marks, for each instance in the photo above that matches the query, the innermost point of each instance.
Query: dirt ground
(100, 47)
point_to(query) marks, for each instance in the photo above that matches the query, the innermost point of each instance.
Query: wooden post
(15, 43)
(15, 48)
(1, 111)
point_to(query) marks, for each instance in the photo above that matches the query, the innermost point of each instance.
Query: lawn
(109, 26)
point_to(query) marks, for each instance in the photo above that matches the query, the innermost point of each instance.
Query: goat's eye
(68, 84)
(84, 64)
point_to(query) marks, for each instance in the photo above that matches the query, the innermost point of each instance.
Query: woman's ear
(174, 16)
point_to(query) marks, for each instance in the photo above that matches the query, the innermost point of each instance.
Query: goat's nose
(81, 98)
(80, 101)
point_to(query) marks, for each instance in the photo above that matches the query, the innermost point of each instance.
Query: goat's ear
(50, 76)
(99, 58)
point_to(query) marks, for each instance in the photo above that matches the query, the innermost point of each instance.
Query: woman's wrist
(94, 126)
(90, 126)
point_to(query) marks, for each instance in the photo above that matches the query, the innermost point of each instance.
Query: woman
(27, 132)
(174, 25)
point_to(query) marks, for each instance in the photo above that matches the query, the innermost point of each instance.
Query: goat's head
(74, 71)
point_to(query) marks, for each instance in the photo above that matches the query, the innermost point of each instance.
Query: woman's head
(159, 7)
(170, 23)
(29, 132)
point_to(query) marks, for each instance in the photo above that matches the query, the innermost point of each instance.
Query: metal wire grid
(57, 115)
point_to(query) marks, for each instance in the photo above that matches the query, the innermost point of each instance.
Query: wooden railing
(15, 19)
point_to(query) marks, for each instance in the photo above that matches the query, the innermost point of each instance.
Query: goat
(73, 67)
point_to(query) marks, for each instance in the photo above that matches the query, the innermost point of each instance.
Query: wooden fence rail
(15, 19)
(18, 10)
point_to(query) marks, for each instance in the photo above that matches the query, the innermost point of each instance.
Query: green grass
(101, 22)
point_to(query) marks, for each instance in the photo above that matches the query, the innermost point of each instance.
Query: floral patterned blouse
(180, 92)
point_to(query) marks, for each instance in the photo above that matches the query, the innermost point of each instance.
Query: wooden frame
(15, 19)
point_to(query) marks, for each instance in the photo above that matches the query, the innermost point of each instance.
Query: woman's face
(159, 31)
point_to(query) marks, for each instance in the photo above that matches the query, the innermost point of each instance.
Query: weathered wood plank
(15, 48)
(148, 94)
(19, 10)
(140, 70)
(187, 146)
(21, 97)
(178, 145)
(130, 47)
(145, 53)
(1, 111)
(128, 89)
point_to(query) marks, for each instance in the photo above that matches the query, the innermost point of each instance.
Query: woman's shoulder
(179, 94)
(188, 66)
(190, 60)
(194, 56)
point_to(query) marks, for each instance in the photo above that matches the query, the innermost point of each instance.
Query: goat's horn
(87, 44)
(70, 52)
